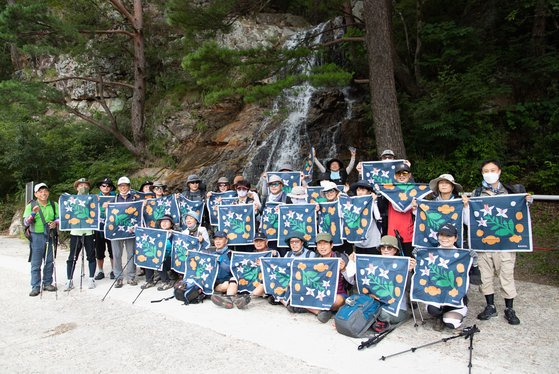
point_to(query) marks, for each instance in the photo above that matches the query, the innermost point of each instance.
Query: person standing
(500, 263)
(41, 216)
(106, 188)
(81, 239)
(124, 196)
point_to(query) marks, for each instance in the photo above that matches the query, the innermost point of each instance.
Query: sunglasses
(104, 185)
(157, 188)
(404, 173)
(275, 184)
(223, 185)
(242, 189)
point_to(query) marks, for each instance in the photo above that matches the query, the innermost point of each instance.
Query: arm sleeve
(319, 165)
(351, 165)
(27, 218)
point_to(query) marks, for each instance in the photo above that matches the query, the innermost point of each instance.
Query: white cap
(123, 180)
(39, 186)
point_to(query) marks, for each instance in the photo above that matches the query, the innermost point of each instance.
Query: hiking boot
(510, 316)
(488, 312)
(272, 301)
(380, 326)
(35, 291)
(100, 275)
(49, 287)
(91, 283)
(324, 316)
(141, 272)
(148, 285)
(119, 283)
(222, 300)
(241, 301)
(132, 282)
(112, 275)
(69, 285)
(165, 286)
(438, 325)
(294, 309)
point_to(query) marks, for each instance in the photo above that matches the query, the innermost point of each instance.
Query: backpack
(356, 316)
(188, 294)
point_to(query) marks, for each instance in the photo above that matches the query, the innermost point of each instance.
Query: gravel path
(78, 332)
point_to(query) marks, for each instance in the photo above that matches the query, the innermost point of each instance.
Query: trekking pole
(374, 340)
(117, 277)
(471, 349)
(46, 253)
(55, 249)
(466, 333)
(74, 260)
(82, 241)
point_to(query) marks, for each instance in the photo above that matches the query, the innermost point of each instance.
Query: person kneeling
(389, 247)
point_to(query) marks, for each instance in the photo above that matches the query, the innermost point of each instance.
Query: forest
(444, 84)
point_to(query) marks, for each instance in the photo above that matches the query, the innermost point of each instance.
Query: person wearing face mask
(298, 195)
(246, 196)
(501, 263)
(106, 188)
(78, 240)
(335, 168)
(124, 195)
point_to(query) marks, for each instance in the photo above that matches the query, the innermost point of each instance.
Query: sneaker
(49, 287)
(294, 309)
(380, 326)
(165, 286)
(147, 285)
(91, 283)
(132, 282)
(35, 291)
(272, 301)
(488, 312)
(324, 316)
(222, 300)
(241, 301)
(438, 325)
(112, 275)
(119, 283)
(69, 285)
(100, 275)
(510, 315)
(141, 272)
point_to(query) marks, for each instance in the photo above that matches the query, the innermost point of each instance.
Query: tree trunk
(538, 28)
(348, 14)
(419, 27)
(139, 94)
(384, 103)
(14, 53)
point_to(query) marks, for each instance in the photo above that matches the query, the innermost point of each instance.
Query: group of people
(391, 234)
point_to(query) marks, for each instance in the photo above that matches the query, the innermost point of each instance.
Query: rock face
(16, 227)
(265, 30)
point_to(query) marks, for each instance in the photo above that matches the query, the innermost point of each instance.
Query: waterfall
(288, 142)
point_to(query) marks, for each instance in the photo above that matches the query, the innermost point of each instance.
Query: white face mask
(298, 201)
(491, 178)
(83, 191)
(242, 193)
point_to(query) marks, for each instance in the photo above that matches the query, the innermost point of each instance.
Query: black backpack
(188, 294)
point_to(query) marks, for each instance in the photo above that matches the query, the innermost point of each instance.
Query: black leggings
(75, 248)
(100, 244)
(162, 273)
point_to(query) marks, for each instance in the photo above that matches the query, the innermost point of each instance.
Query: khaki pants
(502, 264)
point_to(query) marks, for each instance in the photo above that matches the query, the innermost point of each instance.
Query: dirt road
(79, 332)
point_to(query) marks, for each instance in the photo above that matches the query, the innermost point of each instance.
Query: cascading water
(286, 143)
